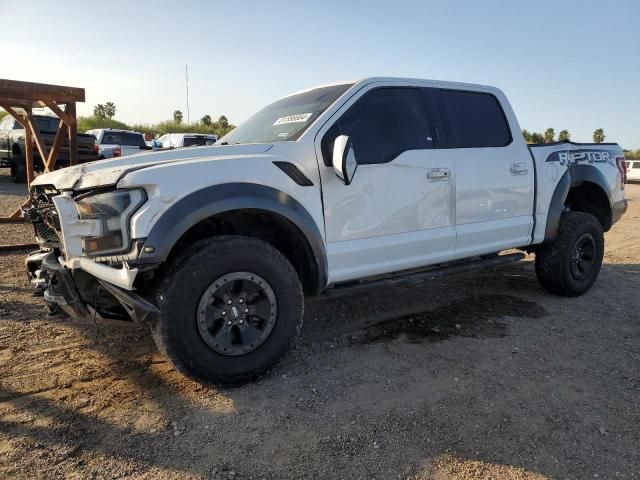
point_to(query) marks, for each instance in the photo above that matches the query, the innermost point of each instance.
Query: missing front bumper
(61, 292)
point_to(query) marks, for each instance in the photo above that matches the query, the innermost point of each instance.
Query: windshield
(286, 119)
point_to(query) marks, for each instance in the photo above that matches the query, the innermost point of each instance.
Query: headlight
(113, 210)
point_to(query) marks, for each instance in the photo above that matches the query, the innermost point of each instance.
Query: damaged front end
(83, 266)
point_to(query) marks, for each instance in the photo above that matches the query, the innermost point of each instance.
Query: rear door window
(473, 119)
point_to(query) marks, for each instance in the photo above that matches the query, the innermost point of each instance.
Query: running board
(413, 276)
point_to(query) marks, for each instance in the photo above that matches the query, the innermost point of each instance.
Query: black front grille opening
(45, 232)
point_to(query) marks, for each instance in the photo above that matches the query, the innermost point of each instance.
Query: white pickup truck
(214, 247)
(112, 140)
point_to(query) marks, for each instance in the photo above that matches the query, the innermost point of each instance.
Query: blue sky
(564, 64)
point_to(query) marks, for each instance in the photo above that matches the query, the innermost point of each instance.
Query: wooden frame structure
(19, 99)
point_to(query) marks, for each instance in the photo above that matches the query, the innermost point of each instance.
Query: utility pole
(186, 71)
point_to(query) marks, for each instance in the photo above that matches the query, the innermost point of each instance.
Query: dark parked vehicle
(12, 148)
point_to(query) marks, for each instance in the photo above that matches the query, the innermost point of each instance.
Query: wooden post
(73, 131)
(35, 134)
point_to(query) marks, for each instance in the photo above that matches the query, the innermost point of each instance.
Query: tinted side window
(383, 124)
(475, 119)
(193, 141)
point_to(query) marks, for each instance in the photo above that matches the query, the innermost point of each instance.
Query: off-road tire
(553, 261)
(180, 290)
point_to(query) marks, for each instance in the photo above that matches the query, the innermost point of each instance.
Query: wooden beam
(19, 246)
(19, 118)
(42, 148)
(13, 218)
(16, 102)
(40, 91)
(28, 151)
(59, 112)
(55, 147)
(73, 134)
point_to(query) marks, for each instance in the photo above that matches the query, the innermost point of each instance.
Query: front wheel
(570, 265)
(231, 307)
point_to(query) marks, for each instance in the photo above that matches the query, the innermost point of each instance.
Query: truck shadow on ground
(476, 316)
(346, 397)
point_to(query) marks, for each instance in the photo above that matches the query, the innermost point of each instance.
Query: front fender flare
(210, 201)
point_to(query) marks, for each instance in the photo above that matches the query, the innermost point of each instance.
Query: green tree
(549, 135)
(177, 116)
(564, 135)
(537, 137)
(100, 111)
(527, 135)
(206, 120)
(223, 122)
(598, 135)
(109, 110)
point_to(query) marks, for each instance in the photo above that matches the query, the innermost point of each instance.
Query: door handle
(519, 169)
(438, 174)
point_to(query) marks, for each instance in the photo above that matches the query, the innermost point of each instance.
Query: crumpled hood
(108, 172)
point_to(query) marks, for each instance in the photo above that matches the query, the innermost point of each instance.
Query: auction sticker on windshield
(299, 117)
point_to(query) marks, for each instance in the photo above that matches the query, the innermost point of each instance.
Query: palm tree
(598, 135)
(223, 122)
(99, 111)
(549, 135)
(177, 116)
(109, 109)
(206, 120)
(564, 135)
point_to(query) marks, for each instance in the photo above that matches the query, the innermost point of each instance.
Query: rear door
(494, 176)
(397, 212)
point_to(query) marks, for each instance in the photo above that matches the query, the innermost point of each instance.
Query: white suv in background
(179, 140)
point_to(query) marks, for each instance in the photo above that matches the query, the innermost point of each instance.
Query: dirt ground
(473, 376)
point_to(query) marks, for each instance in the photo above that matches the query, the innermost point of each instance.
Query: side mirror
(344, 159)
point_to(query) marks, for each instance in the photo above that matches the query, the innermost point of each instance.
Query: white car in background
(126, 142)
(633, 170)
(179, 140)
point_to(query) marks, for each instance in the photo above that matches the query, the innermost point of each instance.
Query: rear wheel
(231, 307)
(18, 170)
(571, 264)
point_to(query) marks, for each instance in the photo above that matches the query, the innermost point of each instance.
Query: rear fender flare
(575, 176)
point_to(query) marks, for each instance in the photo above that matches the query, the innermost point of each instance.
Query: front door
(397, 212)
